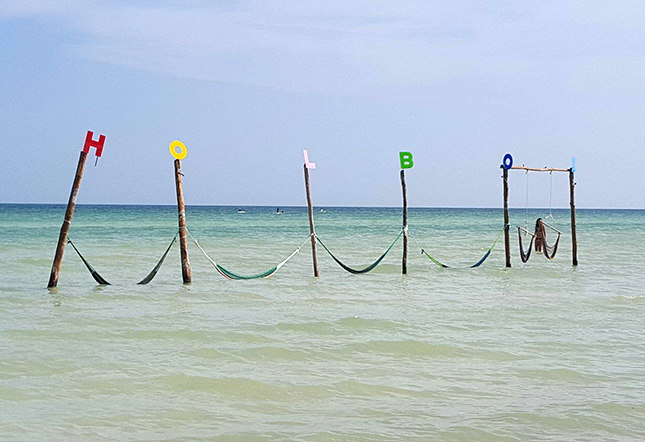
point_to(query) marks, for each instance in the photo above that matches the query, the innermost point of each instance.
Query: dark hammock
(98, 278)
(550, 251)
(154, 271)
(524, 255)
(366, 269)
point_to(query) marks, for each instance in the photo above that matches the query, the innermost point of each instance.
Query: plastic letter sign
(182, 150)
(308, 165)
(89, 142)
(406, 160)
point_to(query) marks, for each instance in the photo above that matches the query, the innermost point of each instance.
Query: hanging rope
(477, 264)
(235, 276)
(526, 207)
(550, 215)
(154, 271)
(98, 278)
(367, 269)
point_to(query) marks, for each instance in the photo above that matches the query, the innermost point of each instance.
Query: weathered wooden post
(404, 260)
(406, 163)
(186, 271)
(71, 204)
(506, 165)
(312, 227)
(572, 203)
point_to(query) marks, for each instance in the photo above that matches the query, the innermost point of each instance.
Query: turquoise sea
(541, 351)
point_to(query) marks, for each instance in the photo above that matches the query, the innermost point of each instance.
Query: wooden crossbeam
(544, 169)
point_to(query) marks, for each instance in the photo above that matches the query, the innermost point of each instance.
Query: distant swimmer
(278, 211)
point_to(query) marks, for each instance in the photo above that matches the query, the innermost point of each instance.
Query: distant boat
(240, 211)
(323, 210)
(278, 211)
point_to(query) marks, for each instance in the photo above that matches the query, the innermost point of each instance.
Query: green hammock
(154, 271)
(235, 276)
(477, 264)
(366, 269)
(98, 278)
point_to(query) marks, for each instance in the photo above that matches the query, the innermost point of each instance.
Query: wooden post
(64, 230)
(312, 227)
(186, 271)
(404, 261)
(507, 221)
(572, 203)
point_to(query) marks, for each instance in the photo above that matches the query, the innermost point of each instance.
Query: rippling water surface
(542, 351)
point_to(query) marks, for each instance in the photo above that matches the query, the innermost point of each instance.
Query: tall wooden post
(312, 227)
(186, 271)
(404, 261)
(507, 221)
(572, 203)
(64, 230)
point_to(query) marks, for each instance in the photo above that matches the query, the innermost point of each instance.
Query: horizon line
(319, 206)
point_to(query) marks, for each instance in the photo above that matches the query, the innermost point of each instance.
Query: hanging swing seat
(539, 244)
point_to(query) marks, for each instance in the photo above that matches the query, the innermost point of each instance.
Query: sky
(247, 85)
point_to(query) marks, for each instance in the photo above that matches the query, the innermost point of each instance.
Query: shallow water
(542, 351)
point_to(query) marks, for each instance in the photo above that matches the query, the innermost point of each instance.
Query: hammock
(98, 278)
(550, 251)
(235, 276)
(477, 264)
(154, 271)
(524, 256)
(366, 269)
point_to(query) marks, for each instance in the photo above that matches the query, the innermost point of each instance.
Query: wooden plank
(535, 169)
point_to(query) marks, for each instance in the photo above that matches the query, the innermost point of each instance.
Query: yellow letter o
(182, 150)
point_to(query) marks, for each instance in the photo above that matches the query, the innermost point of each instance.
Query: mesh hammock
(231, 275)
(549, 251)
(228, 274)
(477, 264)
(155, 270)
(524, 256)
(98, 278)
(367, 269)
(101, 280)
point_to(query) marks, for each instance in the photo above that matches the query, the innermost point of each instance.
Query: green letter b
(406, 160)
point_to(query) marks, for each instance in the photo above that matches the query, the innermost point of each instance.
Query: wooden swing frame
(572, 205)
